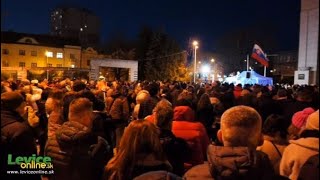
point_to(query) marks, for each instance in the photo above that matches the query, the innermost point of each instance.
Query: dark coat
(233, 163)
(158, 175)
(176, 150)
(77, 153)
(17, 139)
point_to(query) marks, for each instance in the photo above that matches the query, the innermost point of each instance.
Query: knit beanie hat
(11, 100)
(299, 119)
(313, 121)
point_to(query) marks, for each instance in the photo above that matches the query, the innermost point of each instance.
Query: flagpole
(265, 67)
(247, 62)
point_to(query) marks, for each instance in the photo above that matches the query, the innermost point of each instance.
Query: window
(59, 65)
(33, 53)
(88, 62)
(49, 65)
(22, 52)
(49, 54)
(5, 51)
(22, 64)
(72, 56)
(59, 55)
(33, 64)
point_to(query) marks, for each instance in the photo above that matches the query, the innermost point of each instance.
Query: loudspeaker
(248, 75)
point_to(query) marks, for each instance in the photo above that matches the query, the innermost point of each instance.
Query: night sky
(205, 20)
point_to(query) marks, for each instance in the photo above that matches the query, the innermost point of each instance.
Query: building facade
(76, 23)
(284, 65)
(22, 52)
(308, 72)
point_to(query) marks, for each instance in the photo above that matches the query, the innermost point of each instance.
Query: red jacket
(237, 92)
(194, 133)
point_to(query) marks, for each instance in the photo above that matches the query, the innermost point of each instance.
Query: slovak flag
(259, 55)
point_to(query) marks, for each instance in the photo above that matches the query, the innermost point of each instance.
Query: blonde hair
(141, 137)
(163, 114)
(241, 126)
(79, 110)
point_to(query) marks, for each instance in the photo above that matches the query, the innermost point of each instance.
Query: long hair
(204, 101)
(141, 137)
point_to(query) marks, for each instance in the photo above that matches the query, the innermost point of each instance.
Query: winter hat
(299, 119)
(11, 100)
(313, 121)
(245, 92)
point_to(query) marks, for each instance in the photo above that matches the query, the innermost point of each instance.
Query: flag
(259, 55)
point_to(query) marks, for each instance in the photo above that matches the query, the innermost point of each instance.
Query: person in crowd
(140, 151)
(76, 152)
(238, 158)
(147, 106)
(237, 91)
(298, 122)
(119, 111)
(193, 132)
(54, 106)
(302, 100)
(176, 149)
(275, 141)
(205, 113)
(299, 151)
(281, 100)
(141, 97)
(17, 138)
(265, 104)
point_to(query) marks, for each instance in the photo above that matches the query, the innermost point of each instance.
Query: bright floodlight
(195, 43)
(205, 69)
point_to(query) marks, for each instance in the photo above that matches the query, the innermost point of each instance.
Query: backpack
(310, 169)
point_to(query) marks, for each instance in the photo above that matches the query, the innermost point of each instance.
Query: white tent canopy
(249, 77)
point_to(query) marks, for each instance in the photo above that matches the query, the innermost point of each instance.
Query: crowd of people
(162, 130)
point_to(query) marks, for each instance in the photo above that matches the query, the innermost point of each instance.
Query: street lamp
(195, 45)
(47, 55)
(212, 60)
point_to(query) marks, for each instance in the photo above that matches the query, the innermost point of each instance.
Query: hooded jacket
(296, 154)
(233, 163)
(192, 132)
(76, 152)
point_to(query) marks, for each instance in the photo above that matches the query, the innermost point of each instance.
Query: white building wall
(308, 41)
(117, 63)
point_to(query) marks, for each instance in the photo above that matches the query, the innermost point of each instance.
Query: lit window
(49, 65)
(49, 54)
(81, 29)
(85, 26)
(22, 64)
(34, 65)
(22, 52)
(57, 12)
(5, 51)
(59, 65)
(60, 16)
(56, 27)
(33, 53)
(59, 55)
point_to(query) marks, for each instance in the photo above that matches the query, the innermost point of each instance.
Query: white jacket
(296, 154)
